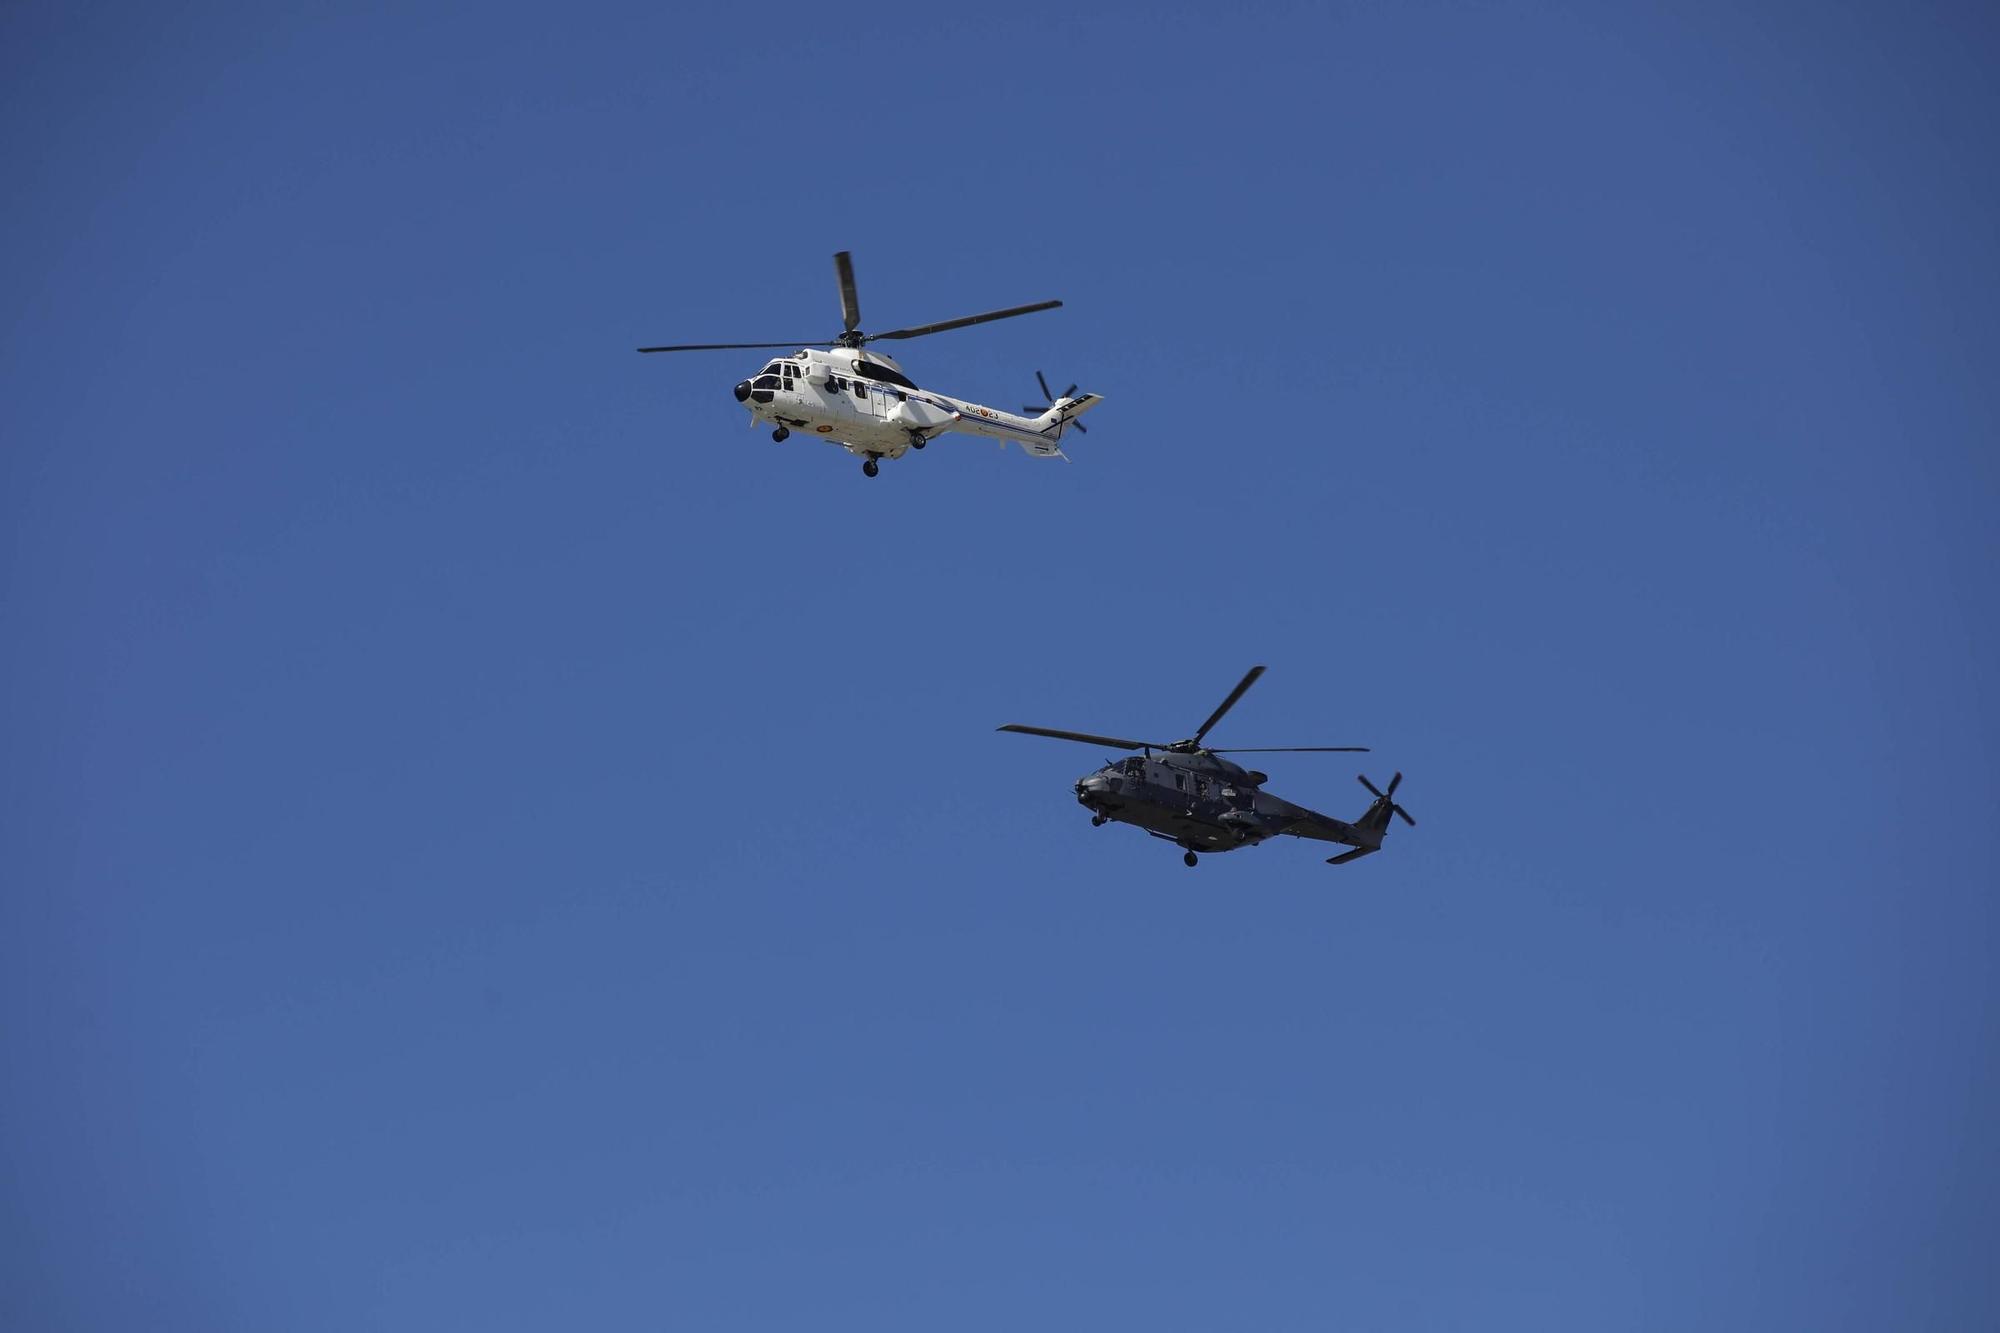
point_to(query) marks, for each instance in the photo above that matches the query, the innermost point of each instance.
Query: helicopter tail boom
(1365, 834)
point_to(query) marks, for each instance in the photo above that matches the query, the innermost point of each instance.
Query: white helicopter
(863, 401)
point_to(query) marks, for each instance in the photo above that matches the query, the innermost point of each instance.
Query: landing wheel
(918, 441)
(871, 467)
(781, 434)
(1097, 821)
(1190, 858)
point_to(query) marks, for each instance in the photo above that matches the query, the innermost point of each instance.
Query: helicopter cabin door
(881, 398)
(861, 399)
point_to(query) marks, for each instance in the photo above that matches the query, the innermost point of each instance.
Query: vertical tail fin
(1063, 409)
(1062, 414)
(1366, 833)
(1059, 417)
(1375, 819)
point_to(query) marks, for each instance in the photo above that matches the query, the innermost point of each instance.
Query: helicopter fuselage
(1205, 803)
(1191, 796)
(864, 402)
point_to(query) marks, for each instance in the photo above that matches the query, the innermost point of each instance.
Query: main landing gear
(917, 440)
(1098, 821)
(871, 467)
(781, 434)
(1190, 858)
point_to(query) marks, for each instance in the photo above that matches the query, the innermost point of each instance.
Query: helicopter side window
(1180, 781)
(882, 373)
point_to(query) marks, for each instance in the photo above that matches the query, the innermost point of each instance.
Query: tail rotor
(1387, 799)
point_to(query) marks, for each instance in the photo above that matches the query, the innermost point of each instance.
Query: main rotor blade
(729, 347)
(1294, 749)
(850, 304)
(1230, 702)
(1116, 742)
(987, 318)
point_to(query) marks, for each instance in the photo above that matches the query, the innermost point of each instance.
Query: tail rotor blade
(1362, 779)
(1405, 815)
(1070, 392)
(1045, 386)
(1394, 783)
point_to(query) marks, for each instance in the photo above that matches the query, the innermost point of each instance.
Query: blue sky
(492, 842)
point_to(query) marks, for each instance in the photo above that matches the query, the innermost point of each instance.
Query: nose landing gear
(781, 434)
(1190, 858)
(871, 467)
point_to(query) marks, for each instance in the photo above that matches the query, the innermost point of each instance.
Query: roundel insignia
(824, 429)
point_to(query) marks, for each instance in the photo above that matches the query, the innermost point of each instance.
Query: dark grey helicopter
(1192, 797)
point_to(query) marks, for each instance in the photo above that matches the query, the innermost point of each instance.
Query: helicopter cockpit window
(1135, 766)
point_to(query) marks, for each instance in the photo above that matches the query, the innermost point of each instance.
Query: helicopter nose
(1094, 785)
(743, 391)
